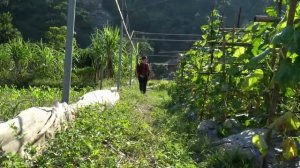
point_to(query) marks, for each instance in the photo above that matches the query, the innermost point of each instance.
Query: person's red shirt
(143, 69)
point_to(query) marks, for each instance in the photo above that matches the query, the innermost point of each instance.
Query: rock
(243, 141)
(208, 128)
(232, 126)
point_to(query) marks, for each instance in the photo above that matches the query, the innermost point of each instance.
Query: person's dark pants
(143, 83)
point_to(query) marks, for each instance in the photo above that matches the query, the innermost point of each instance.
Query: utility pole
(130, 75)
(120, 50)
(69, 48)
(131, 50)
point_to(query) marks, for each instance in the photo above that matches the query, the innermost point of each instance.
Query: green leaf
(271, 11)
(284, 73)
(294, 123)
(261, 144)
(289, 92)
(284, 36)
(256, 43)
(204, 27)
(255, 60)
(247, 123)
(252, 79)
(240, 51)
(292, 56)
(290, 149)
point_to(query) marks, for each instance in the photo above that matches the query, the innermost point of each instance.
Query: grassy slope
(134, 133)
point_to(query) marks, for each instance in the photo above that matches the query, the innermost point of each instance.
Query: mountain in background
(34, 17)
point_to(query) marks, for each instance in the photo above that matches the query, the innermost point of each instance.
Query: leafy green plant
(13, 100)
(7, 30)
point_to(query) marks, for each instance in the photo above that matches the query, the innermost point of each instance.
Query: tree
(103, 51)
(7, 30)
(56, 37)
(111, 43)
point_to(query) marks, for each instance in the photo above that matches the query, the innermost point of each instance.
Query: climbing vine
(251, 71)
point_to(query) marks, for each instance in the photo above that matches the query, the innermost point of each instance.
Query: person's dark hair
(144, 57)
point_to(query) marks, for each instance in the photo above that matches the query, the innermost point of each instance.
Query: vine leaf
(252, 79)
(284, 37)
(255, 60)
(290, 150)
(261, 144)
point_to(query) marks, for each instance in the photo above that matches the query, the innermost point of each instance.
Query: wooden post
(264, 18)
(239, 18)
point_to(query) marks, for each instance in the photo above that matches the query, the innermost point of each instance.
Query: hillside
(144, 15)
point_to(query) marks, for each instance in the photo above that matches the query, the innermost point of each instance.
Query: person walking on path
(143, 72)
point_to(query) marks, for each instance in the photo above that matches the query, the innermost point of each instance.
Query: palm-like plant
(103, 51)
(111, 42)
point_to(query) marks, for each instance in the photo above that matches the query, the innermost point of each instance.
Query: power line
(162, 55)
(148, 5)
(166, 34)
(163, 64)
(127, 16)
(123, 21)
(167, 40)
(170, 52)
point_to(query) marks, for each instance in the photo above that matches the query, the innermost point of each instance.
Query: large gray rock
(232, 126)
(243, 142)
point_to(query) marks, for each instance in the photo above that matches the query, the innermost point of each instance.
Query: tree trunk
(110, 68)
(101, 76)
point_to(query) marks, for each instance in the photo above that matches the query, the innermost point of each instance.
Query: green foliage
(160, 71)
(24, 62)
(228, 76)
(222, 81)
(56, 37)
(261, 144)
(34, 17)
(138, 132)
(7, 30)
(103, 51)
(13, 100)
(134, 133)
(228, 159)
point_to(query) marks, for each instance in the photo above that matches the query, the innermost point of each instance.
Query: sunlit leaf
(271, 11)
(252, 79)
(256, 44)
(294, 123)
(247, 123)
(290, 149)
(240, 51)
(293, 56)
(261, 144)
(289, 92)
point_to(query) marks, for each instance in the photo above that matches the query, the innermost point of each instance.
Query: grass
(139, 131)
(127, 135)
(13, 100)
